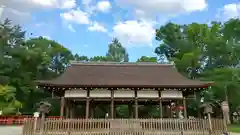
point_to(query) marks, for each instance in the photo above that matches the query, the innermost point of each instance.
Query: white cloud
(97, 27)
(104, 6)
(38, 4)
(75, 16)
(229, 11)
(141, 33)
(164, 7)
(70, 27)
(134, 33)
(69, 4)
(20, 9)
(16, 16)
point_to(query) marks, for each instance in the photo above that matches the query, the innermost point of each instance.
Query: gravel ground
(234, 133)
(17, 130)
(10, 130)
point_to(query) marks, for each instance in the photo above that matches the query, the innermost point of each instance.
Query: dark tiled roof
(122, 75)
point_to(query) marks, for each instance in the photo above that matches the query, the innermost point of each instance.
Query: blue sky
(87, 26)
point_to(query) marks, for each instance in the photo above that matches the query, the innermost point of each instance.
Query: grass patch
(234, 128)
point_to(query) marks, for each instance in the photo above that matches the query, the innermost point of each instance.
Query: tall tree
(200, 50)
(116, 52)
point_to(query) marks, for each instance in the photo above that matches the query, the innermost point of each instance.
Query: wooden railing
(122, 127)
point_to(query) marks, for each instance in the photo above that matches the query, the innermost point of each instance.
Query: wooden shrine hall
(134, 84)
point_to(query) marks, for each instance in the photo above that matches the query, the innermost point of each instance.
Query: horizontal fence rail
(123, 127)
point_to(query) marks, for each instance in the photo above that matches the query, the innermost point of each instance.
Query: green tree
(8, 102)
(205, 52)
(116, 52)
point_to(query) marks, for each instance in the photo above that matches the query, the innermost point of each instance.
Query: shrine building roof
(115, 75)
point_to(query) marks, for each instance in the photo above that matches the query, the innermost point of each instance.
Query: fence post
(42, 124)
(210, 123)
(181, 122)
(36, 116)
(68, 130)
(225, 125)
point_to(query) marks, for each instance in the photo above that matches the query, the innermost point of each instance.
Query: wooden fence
(18, 120)
(123, 127)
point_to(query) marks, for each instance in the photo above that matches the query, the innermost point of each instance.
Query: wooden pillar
(92, 109)
(52, 94)
(185, 107)
(136, 108)
(115, 111)
(87, 105)
(112, 104)
(136, 105)
(67, 108)
(72, 110)
(130, 110)
(87, 108)
(62, 106)
(112, 108)
(160, 108)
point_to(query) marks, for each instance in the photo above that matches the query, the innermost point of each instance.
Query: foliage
(8, 102)
(116, 52)
(147, 59)
(209, 53)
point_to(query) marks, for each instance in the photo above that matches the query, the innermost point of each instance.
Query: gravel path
(234, 133)
(17, 130)
(10, 130)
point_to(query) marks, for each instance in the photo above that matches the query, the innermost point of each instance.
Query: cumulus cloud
(17, 17)
(169, 7)
(76, 16)
(38, 4)
(95, 26)
(141, 33)
(20, 9)
(229, 11)
(104, 6)
(134, 33)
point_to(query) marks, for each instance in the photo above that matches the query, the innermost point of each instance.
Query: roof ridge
(120, 63)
